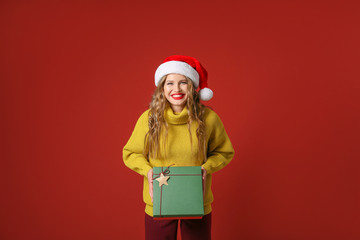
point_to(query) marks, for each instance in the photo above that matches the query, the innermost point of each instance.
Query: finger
(151, 194)
(204, 184)
(203, 172)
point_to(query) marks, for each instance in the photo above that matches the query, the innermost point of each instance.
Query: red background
(75, 76)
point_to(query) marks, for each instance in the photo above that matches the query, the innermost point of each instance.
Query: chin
(180, 104)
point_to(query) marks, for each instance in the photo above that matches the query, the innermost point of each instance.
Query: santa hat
(189, 67)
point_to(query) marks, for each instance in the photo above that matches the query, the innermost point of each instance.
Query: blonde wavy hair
(158, 124)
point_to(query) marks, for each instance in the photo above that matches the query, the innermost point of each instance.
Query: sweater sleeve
(220, 150)
(133, 150)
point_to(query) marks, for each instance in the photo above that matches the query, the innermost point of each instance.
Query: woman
(178, 129)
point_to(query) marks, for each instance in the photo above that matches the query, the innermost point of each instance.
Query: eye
(169, 83)
(183, 82)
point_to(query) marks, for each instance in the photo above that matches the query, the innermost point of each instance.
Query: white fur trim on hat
(206, 94)
(177, 67)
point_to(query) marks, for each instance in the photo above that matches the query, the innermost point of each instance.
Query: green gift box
(180, 195)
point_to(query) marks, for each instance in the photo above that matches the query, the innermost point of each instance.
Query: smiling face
(175, 90)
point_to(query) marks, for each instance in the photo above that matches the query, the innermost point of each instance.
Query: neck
(177, 109)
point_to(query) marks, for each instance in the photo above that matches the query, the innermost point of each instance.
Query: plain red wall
(75, 76)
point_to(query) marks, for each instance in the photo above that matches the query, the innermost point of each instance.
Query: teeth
(177, 95)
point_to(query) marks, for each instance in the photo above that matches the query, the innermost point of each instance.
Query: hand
(150, 180)
(204, 179)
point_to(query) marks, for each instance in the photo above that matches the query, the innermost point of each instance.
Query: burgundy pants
(199, 229)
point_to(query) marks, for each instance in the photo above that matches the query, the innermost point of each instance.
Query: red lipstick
(178, 96)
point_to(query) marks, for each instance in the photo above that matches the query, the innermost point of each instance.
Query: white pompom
(206, 94)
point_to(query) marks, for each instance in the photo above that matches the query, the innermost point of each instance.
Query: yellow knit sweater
(178, 150)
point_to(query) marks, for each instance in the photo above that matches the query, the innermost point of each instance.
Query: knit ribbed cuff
(145, 170)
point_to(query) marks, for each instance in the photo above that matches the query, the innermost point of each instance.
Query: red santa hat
(189, 67)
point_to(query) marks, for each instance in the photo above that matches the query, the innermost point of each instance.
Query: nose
(177, 88)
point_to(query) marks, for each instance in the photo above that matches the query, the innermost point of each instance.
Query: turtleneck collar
(176, 118)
